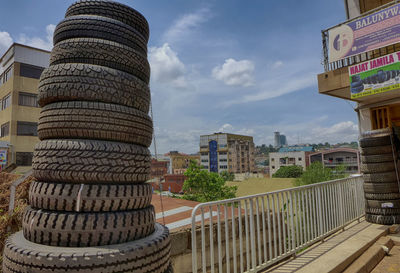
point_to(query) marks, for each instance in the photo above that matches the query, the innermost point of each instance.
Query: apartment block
(20, 70)
(180, 161)
(227, 152)
(333, 158)
(289, 156)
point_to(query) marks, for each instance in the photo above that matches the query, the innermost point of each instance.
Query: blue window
(213, 147)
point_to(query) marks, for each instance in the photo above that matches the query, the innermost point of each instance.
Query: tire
(149, 254)
(95, 120)
(112, 10)
(377, 150)
(86, 229)
(89, 198)
(83, 26)
(388, 177)
(381, 188)
(380, 211)
(86, 82)
(375, 141)
(101, 52)
(377, 167)
(395, 204)
(382, 196)
(377, 158)
(382, 220)
(90, 161)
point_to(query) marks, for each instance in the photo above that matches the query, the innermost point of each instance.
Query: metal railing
(247, 234)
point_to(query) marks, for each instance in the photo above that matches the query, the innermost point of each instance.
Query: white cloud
(166, 66)
(38, 42)
(226, 128)
(235, 73)
(5, 42)
(277, 64)
(340, 132)
(185, 24)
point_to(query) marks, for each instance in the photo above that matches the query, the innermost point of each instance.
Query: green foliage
(288, 172)
(227, 176)
(316, 173)
(204, 186)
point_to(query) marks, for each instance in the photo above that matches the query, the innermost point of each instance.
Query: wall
(274, 160)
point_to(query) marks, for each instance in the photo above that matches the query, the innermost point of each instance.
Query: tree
(288, 172)
(227, 176)
(316, 173)
(204, 186)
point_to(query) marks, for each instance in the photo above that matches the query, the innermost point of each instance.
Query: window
(27, 99)
(272, 159)
(26, 128)
(5, 102)
(222, 153)
(5, 129)
(223, 160)
(273, 167)
(299, 158)
(23, 159)
(7, 74)
(204, 160)
(30, 71)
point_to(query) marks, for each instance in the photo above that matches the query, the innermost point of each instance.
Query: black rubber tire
(377, 150)
(101, 52)
(86, 229)
(87, 82)
(382, 219)
(377, 167)
(384, 177)
(170, 269)
(89, 198)
(382, 196)
(377, 158)
(381, 188)
(91, 26)
(90, 161)
(95, 120)
(150, 254)
(382, 211)
(375, 141)
(112, 10)
(379, 203)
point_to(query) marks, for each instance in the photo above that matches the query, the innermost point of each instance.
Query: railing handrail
(297, 217)
(269, 193)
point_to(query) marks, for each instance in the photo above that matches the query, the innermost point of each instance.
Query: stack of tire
(90, 207)
(381, 186)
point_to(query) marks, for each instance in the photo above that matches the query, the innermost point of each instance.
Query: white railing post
(290, 219)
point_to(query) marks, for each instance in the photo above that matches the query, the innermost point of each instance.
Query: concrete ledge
(370, 258)
(341, 256)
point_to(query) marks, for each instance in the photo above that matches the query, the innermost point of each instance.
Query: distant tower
(277, 140)
(283, 140)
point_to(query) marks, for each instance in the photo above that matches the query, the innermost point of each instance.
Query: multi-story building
(20, 70)
(159, 168)
(333, 158)
(227, 152)
(289, 156)
(361, 62)
(279, 140)
(180, 161)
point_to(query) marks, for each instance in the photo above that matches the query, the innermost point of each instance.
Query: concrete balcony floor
(358, 248)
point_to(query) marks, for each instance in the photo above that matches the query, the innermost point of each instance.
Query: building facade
(180, 161)
(158, 168)
(227, 152)
(289, 156)
(20, 70)
(370, 77)
(333, 158)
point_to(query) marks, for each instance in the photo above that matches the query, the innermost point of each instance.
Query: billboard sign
(379, 29)
(3, 157)
(375, 76)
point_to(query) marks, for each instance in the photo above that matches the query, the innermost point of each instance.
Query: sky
(234, 66)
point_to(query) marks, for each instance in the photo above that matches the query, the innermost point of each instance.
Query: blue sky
(236, 66)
